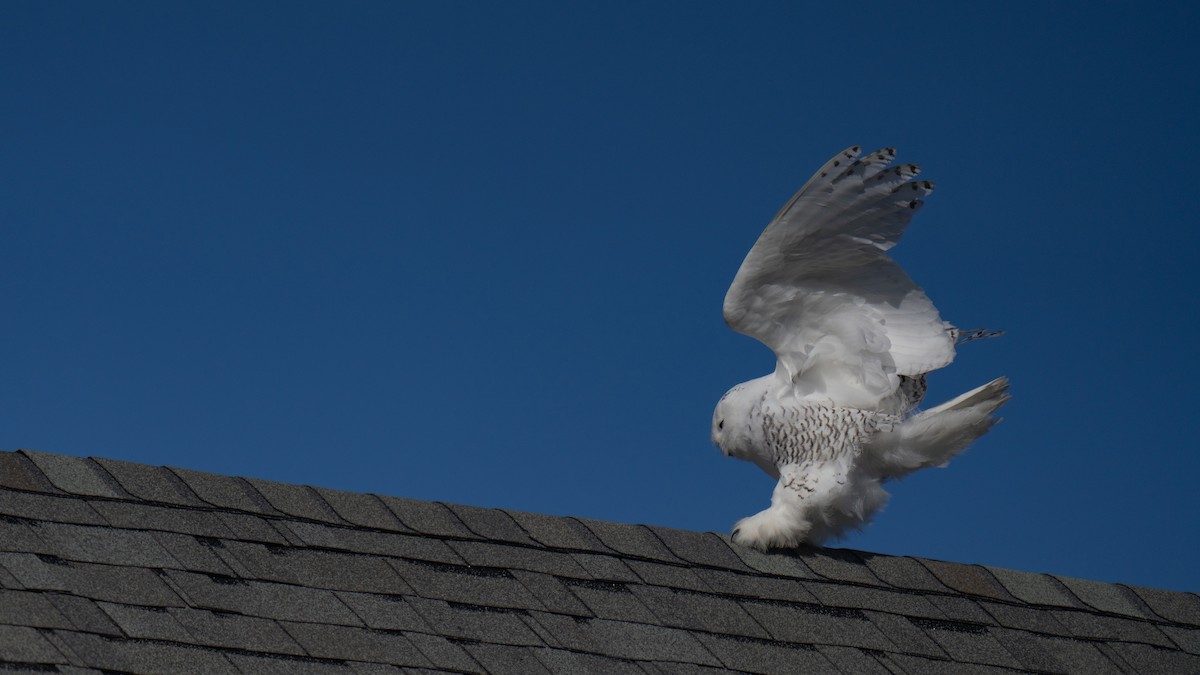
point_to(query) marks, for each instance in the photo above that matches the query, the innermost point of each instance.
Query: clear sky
(476, 252)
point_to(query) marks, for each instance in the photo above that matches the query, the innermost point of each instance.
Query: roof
(126, 567)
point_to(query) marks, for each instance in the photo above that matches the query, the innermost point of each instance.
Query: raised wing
(843, 319)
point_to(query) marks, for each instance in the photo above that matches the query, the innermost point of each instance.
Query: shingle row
(128, 567)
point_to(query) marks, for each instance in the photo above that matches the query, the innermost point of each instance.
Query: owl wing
(818, 288)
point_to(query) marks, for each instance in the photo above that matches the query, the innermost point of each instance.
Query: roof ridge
(345, 563)
(76, 476)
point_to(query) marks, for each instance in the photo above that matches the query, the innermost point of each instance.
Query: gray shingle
(1037, 589)
(605, 567)
(355, 644)
(48, 508)
(610, 600)
(145, 657)
(86, 543)
(443, 653)
(385, 612)
(151, 483)
(295, 500)
(468, 585)
(851, 660)
(21, 537)
(558, 533)
(669, 668)
(906, 636)
(863, 597)
(27, 608)
(263, 599)
(139, 516)
(903, 573)
(225, 491)
(280, 525)
(17, 472)
(544, 635)
(909, 663)
(360, 509)
(1104, 597)
(518, 557)
(360, 668)
(970, 645)
(506, 660)
(564, 661)
(764, 656)
(84, 614)
(699, 611)
(816, 625)
(428, 518)
(150, 623)
(135, 585)
(1096, 626)
(778, 564)
(1188, 639)
(491, 524)
(674, 576)
(7, 580)
(1179, 607)
(838, 565)
(961, 609)
(552, 593)
(1150, 659)
(277, 664)
(1055, 655)
(32, 572)
(235, 631)
(565, 632)
(700, 548)
(1113, 657)
(76, 475)
(251, 528)
(20, 644)
(75, 663)
(318, 569)
(622, 639)
(757, 586)
(392, 544)
(969, 579)
(631, 540)
(1025, 618)
(220, 549)
(192, 555)
(468, 622)
(75, 670)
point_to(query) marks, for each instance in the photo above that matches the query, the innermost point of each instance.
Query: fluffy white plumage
(853, 337)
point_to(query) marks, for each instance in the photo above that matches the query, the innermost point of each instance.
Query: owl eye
(721, 425)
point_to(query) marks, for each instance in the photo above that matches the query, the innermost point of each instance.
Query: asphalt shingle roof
(112, 566)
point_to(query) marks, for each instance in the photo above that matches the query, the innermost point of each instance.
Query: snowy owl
(853, 337)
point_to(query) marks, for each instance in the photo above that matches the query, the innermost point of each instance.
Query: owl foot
(772, 528)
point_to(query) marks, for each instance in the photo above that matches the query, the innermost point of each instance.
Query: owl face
(732, 430)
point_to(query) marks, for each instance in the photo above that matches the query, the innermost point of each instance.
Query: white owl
(853, 337)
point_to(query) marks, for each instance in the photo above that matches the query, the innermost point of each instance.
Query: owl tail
(962, 337)
(934, 436)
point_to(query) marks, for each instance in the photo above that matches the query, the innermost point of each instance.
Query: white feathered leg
(783, 525)
(812, 502)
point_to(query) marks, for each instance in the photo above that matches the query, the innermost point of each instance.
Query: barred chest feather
(819, 431)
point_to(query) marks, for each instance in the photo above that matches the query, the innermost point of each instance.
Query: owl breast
(818, 431)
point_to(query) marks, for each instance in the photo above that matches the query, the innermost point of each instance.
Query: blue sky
(475, 252)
